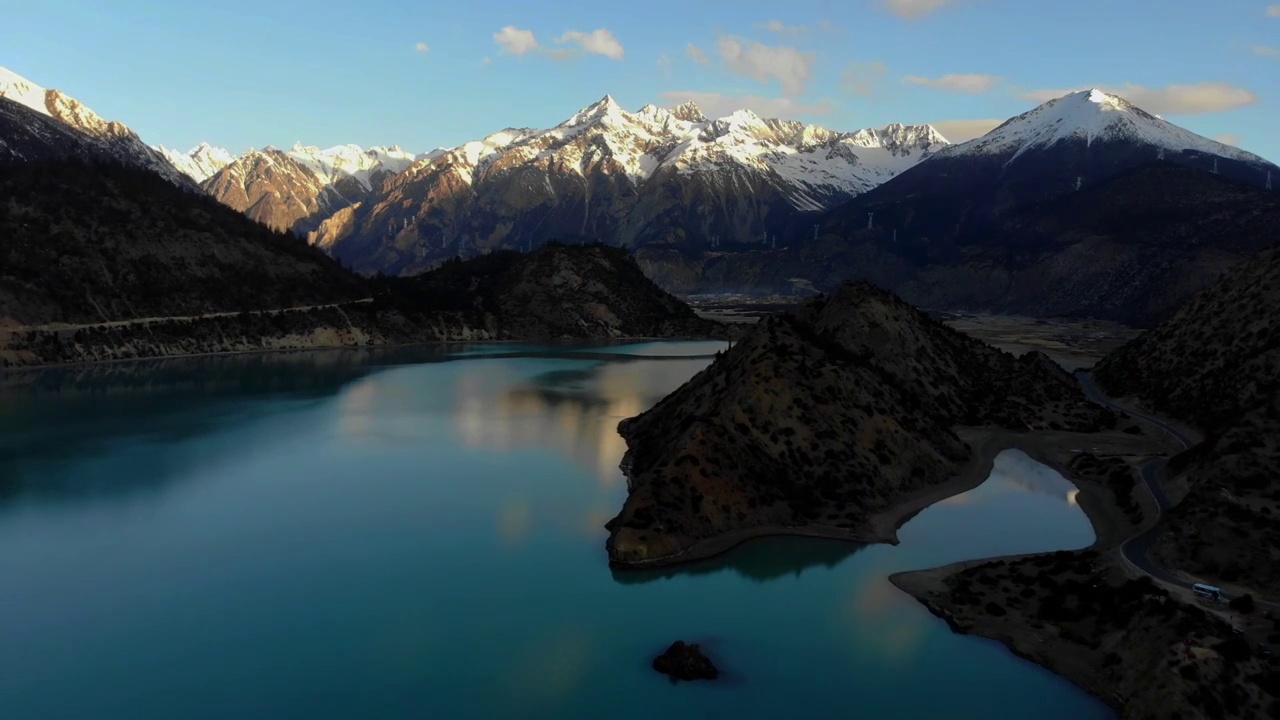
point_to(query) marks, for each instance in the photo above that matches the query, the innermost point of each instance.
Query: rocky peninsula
(838, 420)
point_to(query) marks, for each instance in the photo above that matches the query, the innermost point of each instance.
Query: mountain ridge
(109, 261)
(628, 178)
(1216, 365)
(111, 137)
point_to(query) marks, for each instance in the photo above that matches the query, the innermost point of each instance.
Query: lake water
(405, 535)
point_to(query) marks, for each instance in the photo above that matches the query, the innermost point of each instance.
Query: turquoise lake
(419, 534)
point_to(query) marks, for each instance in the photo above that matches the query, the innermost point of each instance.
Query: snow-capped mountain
(199, 162)
(109, 138)
(1094, 116)
(1060, 147)
(365, 167)
(298, 188)
(655, 175)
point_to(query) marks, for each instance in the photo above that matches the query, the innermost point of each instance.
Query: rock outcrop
(685, 662)
(823, 418)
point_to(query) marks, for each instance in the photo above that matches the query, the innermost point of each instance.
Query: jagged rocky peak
(689, 112)
(200, 162)
(899, 137)
(58, 105)
(657, 116)
(738, 122)
(605, 107)
(482, 189)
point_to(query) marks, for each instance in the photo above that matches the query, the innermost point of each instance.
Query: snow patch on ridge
(21, 90)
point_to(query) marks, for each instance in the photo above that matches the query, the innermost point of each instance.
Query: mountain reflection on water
(760, 560)
(47, 414)
(574, 411)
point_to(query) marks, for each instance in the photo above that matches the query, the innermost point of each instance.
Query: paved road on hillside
(64, 327)
(1136, 549)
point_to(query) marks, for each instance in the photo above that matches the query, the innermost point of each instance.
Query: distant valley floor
(1072, 343)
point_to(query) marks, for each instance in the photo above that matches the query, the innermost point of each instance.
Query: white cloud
(958, 131)
(1266, 51)
(1228, 139)
(1200, 99)
(1273, 10)
(862, 78)
(915, 9)
(781, 28)
(973, 84)
(715, 105)
(826, 26)
(422, 47)
(764, 63)
(485, 61)
(695, 54)
(514, 41)
(596, 42)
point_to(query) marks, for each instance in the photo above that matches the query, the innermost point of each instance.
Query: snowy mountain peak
(57, 105)
(738, 120)
(1103, 99)
(605, 107)
(653, 113)
(898, 138)
(817, 166)
(113, 138)
(23, 91)
(1091, 116)
(200, 162)
(689, 112)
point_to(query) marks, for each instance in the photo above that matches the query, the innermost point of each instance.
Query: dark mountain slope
(1131, 248)
(103, 262)
(1216, 364)
(558, 292)
(94, 243)
(960, 194)
(27, 135)
(824, 417)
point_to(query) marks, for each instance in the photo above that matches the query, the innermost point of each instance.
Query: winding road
(1136, 548)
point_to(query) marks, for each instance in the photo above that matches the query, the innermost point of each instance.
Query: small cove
(336, 535)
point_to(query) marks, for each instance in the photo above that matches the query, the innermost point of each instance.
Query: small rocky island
(683, 661)
(837, 420)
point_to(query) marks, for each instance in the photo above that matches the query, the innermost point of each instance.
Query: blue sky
(428, 73)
